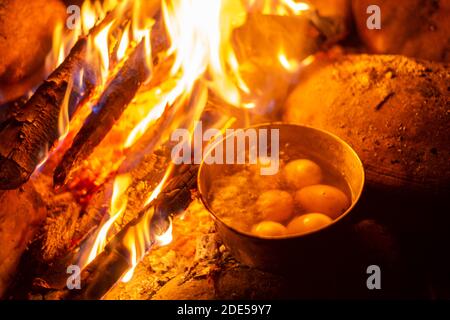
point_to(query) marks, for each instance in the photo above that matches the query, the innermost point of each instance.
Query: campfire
(95, 205)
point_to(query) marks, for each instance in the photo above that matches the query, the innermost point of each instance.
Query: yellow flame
(123, 45)
(167, 237)
(296, 7)
(129, 274)
(64, 39)
(63, 119)
(308, 60)
(154, 113)
(101, 43)
(200, 32)
(57, 55)
(290, 65)
(281, 7)
(89, 16)
(138, 240)
(141, 26)
(158, 189)
(118, 206)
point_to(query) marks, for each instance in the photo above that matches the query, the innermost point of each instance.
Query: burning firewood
(122, 191)
(145, 165)
(115, 259)
(67, 225)
(128, 81)
(26, 147)
(115, 98)
(33, 130)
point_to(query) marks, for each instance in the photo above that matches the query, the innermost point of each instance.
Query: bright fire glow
(118, 206)
(167, 237)
(101, 42)
(200, 32)
(288, 64)
(200, 60)
(123, 46)
(63, 119)
(281, 7)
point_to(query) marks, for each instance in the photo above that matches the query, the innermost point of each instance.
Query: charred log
(67, 226)
(113, 101)
(27, 134)
(102, 273)
(109, 108)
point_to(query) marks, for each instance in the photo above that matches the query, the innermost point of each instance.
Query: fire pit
(109, 187)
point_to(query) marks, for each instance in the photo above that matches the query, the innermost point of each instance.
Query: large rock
(26, 30)
(22, 212)
(393, 110)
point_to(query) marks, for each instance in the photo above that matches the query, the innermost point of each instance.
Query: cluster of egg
(320, 204)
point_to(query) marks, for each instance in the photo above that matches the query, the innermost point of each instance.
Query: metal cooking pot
(293, 251)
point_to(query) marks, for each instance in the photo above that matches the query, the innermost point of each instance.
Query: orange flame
(63, 119)
(290, 65)
(63, 40)
(158, 189)
(100, 47)
(200, 32)
(118, 206)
